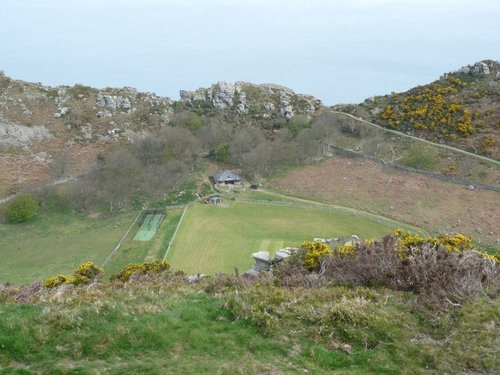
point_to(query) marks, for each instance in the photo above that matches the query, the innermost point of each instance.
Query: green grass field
(57, 241)
(133, 251)
(211, 239)
(214, 239)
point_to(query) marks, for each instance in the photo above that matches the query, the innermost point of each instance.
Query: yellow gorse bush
(345, 249)
(156, 266)
(84, 274)
(54, 281)
(433, 107)
(313, 253)
(456, 244)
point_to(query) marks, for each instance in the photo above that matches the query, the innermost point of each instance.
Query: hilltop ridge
(461, 108)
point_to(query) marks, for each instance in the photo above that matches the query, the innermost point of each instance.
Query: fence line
(175, 233)
(366, 215)
(339, 150)
(118, 245)
(417, 138)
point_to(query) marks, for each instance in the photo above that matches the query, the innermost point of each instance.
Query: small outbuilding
(227, 178)
(215, 200)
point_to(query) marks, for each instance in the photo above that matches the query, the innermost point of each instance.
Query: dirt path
(418, 139)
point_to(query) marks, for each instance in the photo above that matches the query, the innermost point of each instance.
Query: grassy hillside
(461, 108)
(228, 325)
(437, 206)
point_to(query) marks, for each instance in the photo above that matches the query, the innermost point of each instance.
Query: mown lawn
(56, 242)
(133, 251)
(215, 239)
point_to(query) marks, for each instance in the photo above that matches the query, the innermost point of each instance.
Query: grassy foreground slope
(228, 326)
(215, 239)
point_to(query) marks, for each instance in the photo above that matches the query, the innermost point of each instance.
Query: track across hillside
(418, 139)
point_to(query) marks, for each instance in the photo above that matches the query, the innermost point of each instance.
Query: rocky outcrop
(266, 100)
(480, 69)
(112, 103)
(264, 262)
(20, 135)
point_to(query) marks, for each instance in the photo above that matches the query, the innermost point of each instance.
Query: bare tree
(243, 142)
(118, 177)
(61, 165)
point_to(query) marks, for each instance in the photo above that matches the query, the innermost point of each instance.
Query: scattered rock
(224, 95)
(86, 131)
(20, 135)
(478, 69)
(113, 103)
(195, 278)
(262, 261)
(282, 254)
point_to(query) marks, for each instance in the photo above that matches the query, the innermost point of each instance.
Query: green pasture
(133, 251)
(56, 242)
(219, 238)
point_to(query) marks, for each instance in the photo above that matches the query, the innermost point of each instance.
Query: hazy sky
(338, 51)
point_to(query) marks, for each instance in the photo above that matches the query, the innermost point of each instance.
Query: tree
(243, 142)
(187, 119)
(118, 177)
(222, 152)
(61, 165)
(297, 124)
(21, 209)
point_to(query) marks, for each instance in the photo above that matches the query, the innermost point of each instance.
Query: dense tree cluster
(161, 162)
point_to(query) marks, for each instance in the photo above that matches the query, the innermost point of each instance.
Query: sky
(339, 51)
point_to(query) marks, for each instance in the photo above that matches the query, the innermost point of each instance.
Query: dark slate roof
(226, 176)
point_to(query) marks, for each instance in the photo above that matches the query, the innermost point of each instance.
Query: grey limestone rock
(262, 261)
(20, 135)
(114, 102)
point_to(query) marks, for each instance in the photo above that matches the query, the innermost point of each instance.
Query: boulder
(113, 102)
(195, 278)
(282, 254)
(262, 261)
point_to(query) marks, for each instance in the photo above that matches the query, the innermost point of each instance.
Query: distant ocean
(335, 51)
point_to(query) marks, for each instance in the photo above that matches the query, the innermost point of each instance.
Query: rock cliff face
(481, 69)
(15, 135)
(258, 101)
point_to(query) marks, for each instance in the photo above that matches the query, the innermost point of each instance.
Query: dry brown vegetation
(411, 198)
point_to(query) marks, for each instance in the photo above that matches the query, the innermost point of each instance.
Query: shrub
(54, 281)
(146, 268)
(21, 209)
(86, 273)
(420, 157)
(443, 270)
(313, 251)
